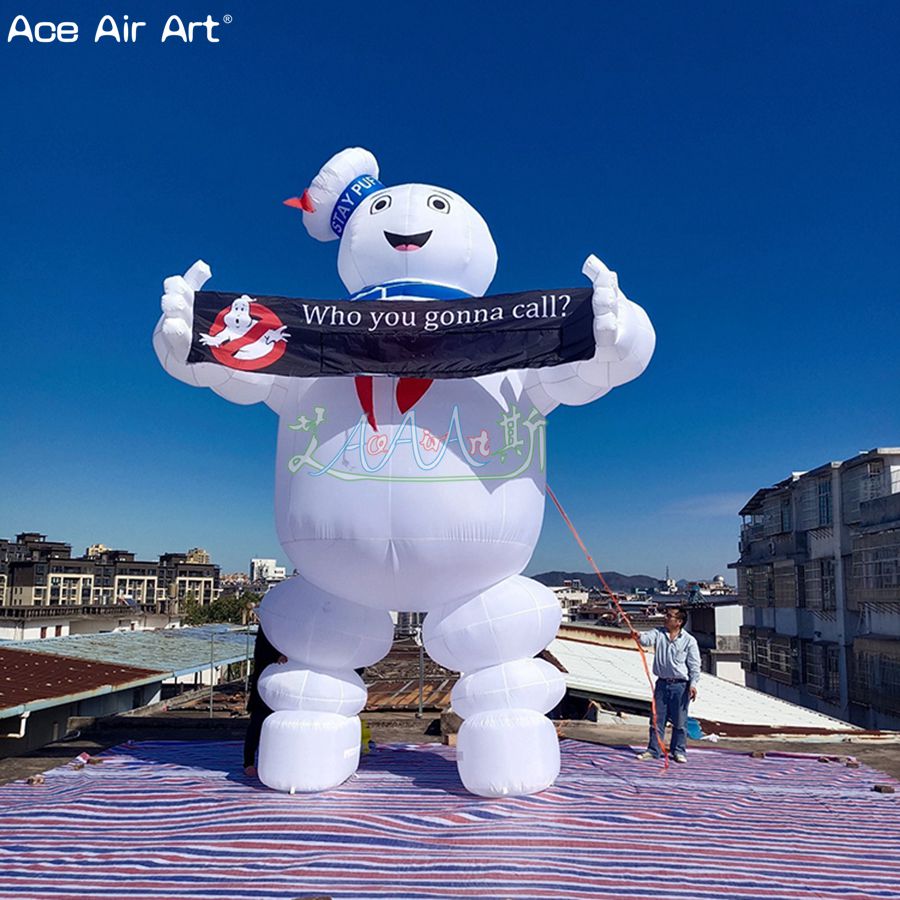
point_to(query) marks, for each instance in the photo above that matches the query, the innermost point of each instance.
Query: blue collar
(423, 289)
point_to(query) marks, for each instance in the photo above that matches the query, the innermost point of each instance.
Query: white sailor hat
(339, 188)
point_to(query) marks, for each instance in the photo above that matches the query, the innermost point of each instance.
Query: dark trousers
(672, 699)
(258, 715)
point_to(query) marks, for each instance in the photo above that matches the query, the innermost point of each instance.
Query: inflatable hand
(606, 308)
(172, 342)
(178, 308)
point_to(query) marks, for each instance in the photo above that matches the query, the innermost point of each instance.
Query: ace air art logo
(246, 335)
(110, 29)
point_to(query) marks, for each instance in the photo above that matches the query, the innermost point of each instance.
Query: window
(829, 600)
(832, 672)
(43, 631)
(786, 517)
(824, 494)
(57, 631)
(743, 586)
(877, 564)
(873, 481)
(782, 659)
(762, 654)
(748, 648)
(785, 578)
(761, 586)
(818, 585)
(813, 659)
(876, 678)
(888, 682)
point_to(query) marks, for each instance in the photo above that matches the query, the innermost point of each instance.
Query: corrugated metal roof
(403, 694)
(614, 672)
(180, 651)
(394, 681)
(27, 677)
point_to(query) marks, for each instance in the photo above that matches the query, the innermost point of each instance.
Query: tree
(192, 612)
(229, 607)
(226, 608)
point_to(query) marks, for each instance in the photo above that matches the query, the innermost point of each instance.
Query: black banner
(417, 338)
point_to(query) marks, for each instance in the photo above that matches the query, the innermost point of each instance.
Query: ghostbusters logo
(246, 335)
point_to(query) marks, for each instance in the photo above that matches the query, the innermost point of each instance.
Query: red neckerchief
(409, 392)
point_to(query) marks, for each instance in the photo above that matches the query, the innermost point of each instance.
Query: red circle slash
(264, 320)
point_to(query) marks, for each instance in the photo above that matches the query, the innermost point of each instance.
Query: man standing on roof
(676, 665)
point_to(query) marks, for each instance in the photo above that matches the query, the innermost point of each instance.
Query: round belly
(424, 510)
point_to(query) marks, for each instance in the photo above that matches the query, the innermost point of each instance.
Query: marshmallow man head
(412, 231)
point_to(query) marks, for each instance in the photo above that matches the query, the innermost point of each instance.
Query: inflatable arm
(625, 341)
(172, 342)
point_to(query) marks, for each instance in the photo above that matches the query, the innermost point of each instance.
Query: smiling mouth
(407, 242)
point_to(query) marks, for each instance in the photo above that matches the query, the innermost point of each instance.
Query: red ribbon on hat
(303, 202)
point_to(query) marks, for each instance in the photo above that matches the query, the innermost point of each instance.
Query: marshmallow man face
(421, 232)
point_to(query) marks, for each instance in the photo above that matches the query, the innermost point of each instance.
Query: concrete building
(198, 555)
(266, 571)
(180, 580)
(715, 621)
(819, 578)
(238, 582)
(46, 592)
(572, 597)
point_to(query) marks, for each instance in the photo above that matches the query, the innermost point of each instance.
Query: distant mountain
(621, 584)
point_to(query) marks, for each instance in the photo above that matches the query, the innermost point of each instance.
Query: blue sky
(737, 164)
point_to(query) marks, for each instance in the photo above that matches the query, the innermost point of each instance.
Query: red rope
(627, 621)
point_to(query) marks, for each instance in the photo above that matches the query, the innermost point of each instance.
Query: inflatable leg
(311, 741)
(506, 746)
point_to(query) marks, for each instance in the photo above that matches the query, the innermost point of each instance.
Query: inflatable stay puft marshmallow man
(408, 494)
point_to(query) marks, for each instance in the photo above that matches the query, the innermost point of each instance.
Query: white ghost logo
(238, 322)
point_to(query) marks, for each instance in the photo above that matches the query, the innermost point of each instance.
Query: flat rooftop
(174, 651)
(171, 819)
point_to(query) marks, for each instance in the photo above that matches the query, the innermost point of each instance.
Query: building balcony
(788, 545)
(875, 673)
(75, 611)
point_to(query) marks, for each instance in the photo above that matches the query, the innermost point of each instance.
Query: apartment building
(572, 596)
(40, 579)
(819, 580)
(263, 571)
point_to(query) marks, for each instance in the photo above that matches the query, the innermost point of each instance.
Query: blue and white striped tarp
(180, 820)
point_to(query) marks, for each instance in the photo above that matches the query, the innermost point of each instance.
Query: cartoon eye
(438, 203)
(380, 204)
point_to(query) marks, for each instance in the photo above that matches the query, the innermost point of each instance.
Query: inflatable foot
(507, 753)
(305, 751)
